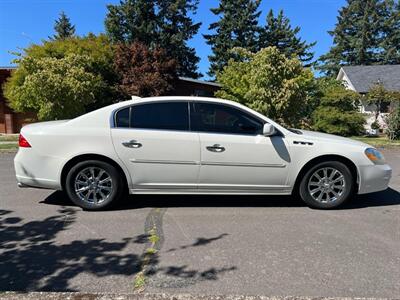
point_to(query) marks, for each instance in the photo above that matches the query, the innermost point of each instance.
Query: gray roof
(363, 77)
(200, 81)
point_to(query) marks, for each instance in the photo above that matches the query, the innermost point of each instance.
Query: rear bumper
(374, 178)
(32, 170)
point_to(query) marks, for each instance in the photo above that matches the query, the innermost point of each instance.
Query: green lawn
(8, 137)
(5, 147)
(380, 141)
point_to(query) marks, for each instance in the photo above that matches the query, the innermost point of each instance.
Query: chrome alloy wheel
(326, 185)
(93, 185)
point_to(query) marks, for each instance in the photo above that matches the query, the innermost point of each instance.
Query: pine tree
(157, 23)
(359, 35)
(176, 28)
(279, 33)
(237, 27)
(63, 27)
(391, 28)
(132, 20)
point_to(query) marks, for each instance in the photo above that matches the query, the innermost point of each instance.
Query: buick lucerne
(192, 145)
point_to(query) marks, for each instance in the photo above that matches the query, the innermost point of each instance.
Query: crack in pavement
(153, 233)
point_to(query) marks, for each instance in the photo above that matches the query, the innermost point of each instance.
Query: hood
(319, 136)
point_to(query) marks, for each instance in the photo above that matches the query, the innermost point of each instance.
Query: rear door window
(163, 116)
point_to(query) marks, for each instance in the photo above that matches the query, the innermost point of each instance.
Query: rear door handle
(216, 148)
(132, 144)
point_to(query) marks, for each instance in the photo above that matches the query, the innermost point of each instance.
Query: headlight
(375, 156)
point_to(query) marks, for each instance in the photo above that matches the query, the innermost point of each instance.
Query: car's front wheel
(327, 185)
(94, 185)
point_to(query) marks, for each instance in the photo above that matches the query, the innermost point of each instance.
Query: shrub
(393, 123)
(337, 112)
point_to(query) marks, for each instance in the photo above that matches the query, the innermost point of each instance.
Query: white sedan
(192, 145)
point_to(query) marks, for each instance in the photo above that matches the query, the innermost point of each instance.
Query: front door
(234, 154)
(154, 142)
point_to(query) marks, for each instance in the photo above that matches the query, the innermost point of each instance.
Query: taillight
(23, 143)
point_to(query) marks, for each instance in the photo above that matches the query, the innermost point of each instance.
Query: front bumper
(374, 178)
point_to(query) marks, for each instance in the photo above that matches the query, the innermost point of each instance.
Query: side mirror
(268, 130)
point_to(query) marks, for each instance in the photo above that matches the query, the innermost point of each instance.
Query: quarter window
(208, 117)
(122, 118)
(166, 116)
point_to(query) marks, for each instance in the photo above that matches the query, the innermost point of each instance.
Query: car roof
(174, 98)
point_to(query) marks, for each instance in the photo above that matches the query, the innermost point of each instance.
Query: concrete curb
(98, 296)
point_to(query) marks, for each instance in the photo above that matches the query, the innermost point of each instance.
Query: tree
(176, 28)
(378, 96)
(63, 27)
(268, 82)
(54, 88)
(393, 123)
(391, 42)
(101, 54)
(360, 33)
(144, 72)
(237, 27)
(337, 112)
(157, 23)
(279, 33)
(132, 20)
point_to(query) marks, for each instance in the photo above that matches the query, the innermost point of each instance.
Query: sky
(23, 22)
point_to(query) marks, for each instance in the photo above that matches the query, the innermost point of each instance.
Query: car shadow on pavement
(385, 198)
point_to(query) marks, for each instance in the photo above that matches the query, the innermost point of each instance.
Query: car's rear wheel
(327, 185)
(94, 185)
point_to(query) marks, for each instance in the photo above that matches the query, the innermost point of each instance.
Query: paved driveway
(207, 244)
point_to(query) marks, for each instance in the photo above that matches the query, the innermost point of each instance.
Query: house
(193, 87)
(12, 122)
(361, 78)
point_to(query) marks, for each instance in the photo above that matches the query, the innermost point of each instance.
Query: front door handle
(216, 148)
(132, 144)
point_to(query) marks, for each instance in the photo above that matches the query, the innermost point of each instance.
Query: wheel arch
(331, 157)
(83, 157)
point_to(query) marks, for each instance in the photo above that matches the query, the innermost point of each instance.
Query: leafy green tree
(63, 27)
(361, 31)
(379, 96)
(269, 82)
(145, 72)
(279, 33)
(157, 23)
(101, 54)
(337, 111)
(54, 88)
(236, 27)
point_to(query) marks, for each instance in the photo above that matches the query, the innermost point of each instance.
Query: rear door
(234, 153)
(154, 142)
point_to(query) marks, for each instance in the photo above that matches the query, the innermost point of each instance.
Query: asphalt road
(206, 244)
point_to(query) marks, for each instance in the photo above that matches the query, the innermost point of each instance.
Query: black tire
(116, 183)
(348, 189)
